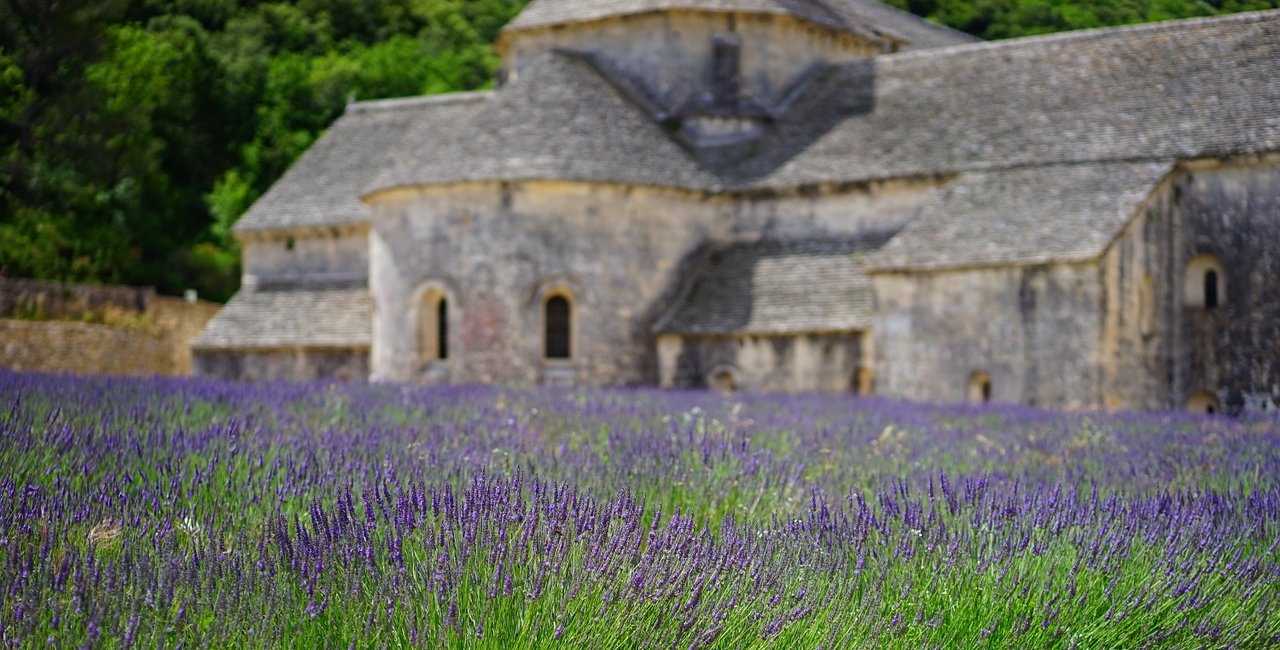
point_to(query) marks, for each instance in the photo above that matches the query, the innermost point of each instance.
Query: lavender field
(165, 514)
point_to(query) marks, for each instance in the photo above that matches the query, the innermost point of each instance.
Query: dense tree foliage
(133, 133)
(996, 19)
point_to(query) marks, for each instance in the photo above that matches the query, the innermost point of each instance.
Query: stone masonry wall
(1230, 211)
(1034, 330)
(85, 348)
(315, 256)
(497, 251)
(86, 329)
(1118, 333)
(297, 365)
(763, 363)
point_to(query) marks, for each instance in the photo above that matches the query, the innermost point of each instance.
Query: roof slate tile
(779, 287)
(297, 318)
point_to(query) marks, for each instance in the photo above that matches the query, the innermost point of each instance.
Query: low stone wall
(182, 321)
(85, 348)
(85, 329)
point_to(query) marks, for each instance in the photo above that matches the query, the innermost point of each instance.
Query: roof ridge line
(978, 169)
(1083, 34)
(907, 15)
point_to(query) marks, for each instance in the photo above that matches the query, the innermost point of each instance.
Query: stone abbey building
(793, 195)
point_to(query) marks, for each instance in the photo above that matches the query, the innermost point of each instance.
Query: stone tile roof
(315, 318)
(1162, 91)
(1022, 216)
(1154, 92)
(323, 187)
(559, 120)
(1157, 92)
(778, 287)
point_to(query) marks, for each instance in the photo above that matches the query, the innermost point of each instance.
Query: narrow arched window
(1205, 282)
(558, 323)
(1210, 289)
(433, 328)
(442, 329)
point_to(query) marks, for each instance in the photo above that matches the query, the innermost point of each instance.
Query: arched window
(1210, 289)
(979, 387)
(1205, 282)
(433, 327)
(558, 323)
(1204, 403)
(442, 329)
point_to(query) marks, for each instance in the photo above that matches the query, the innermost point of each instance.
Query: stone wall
(306, 256)
(671, 51)
(1229, 213)
(88, 329)
(498, 251)
(875, 208)
(298, 365)
(181, 321)
(1124, 332)
(1033, 330)
(828, 363)
(85, 348)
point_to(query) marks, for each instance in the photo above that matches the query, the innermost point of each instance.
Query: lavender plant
(167, 513)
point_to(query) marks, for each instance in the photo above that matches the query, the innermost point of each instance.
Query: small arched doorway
(980, 387)
(1204, 402)
(723, 380)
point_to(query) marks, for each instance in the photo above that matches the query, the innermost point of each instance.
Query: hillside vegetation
(133, 133)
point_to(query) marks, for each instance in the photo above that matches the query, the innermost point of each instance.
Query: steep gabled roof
(296, 318)
(1162, 91)
(1157, 92)
(323, 187)
(774, 287)
(1030, 215)
(560, 120)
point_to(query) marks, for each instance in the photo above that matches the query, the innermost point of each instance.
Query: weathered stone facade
(803, 196)
(498, 251)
